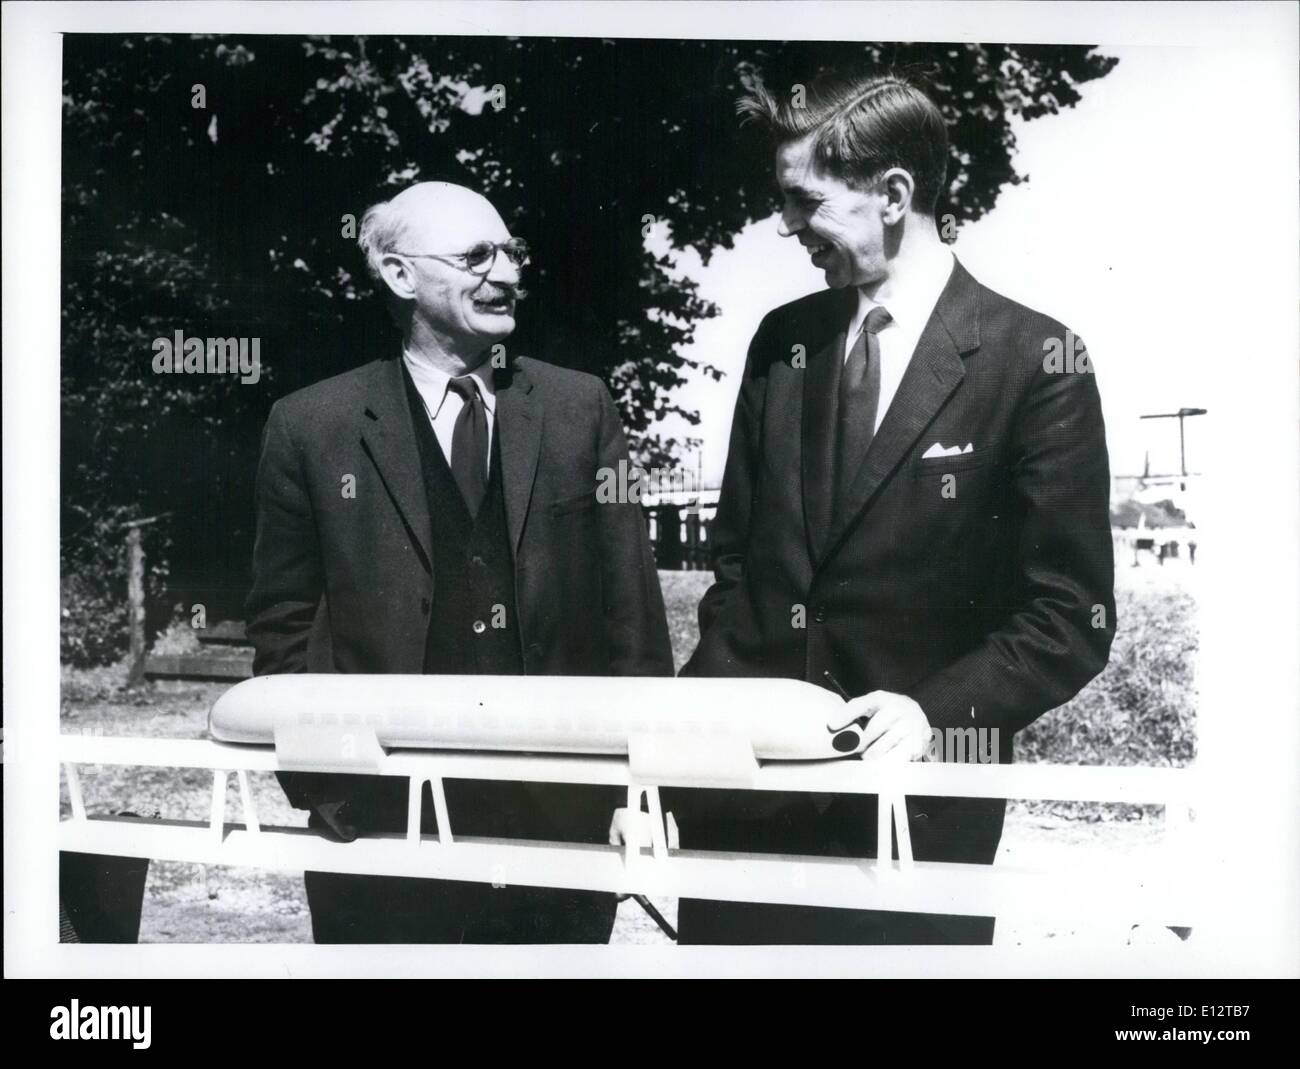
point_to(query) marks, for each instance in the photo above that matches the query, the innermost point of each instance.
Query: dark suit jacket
(344, 584)
(986, 598)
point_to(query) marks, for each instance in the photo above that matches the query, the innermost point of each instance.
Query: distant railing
(679, 535)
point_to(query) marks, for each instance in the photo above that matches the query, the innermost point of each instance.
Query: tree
(232, 218)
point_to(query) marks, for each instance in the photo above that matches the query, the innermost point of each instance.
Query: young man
(914, 510)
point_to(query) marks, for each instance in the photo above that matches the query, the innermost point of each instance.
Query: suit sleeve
(635, 622)
(1057, 633)
(287, 573)
(729, 532)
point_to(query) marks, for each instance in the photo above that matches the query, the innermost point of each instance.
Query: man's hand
(897, 729)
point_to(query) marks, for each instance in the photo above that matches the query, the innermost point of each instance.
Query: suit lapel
(389, 437)
(935, 371)
(816, 435)
(519, 427)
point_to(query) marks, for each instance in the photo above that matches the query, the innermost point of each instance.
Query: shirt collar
(909, 306)
(432, 383)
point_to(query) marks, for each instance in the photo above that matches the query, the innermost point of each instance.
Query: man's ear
(899, 188)
(398, 276)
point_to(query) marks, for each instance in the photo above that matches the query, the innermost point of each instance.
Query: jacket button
(819, 614)
(476, 560)
(479, 627)
(424, 606)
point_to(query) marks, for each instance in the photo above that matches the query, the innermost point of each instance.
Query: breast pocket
(947, 523)
(929, 467)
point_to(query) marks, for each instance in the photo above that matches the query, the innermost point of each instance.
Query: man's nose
(789, 223)
(503, 270)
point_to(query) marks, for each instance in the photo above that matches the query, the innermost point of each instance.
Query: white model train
(712, 731)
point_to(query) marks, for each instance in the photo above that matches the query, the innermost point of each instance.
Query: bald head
(449, 305)
(436, 217)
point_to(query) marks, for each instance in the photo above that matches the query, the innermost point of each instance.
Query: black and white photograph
(652, 489)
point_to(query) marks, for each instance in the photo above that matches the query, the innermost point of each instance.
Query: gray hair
(382, 225)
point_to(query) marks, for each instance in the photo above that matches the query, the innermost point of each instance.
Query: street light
(1180, 415)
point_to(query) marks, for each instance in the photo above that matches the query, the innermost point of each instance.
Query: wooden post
(135, 594)
(694, 561)
(670, 538)
(135, 602)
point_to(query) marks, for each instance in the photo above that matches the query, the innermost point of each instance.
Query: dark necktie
(469, 444)
(859, 399)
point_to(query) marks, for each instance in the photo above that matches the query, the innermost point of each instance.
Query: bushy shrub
(178, 636)
(93, 614)
(92, 621)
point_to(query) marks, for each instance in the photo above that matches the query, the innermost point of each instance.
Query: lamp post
(1180, 415)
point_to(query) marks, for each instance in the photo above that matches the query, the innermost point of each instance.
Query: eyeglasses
(480, 256)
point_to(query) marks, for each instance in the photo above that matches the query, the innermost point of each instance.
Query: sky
(1113, 234)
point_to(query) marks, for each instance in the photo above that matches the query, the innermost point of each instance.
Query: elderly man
(913, 513)
(434, 511)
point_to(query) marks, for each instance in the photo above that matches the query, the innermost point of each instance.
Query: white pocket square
(938, 450)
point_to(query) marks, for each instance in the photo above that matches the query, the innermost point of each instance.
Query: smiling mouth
(818, 252)
(501, 304)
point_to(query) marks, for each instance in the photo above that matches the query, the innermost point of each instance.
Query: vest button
(424, 606)
(479, 627)
(819, 614)
(476, 560)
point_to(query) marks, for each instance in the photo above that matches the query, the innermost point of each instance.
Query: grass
(1141, 710)
(682, 594)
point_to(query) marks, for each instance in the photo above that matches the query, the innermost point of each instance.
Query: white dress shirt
(910, 307)
(444, 405)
